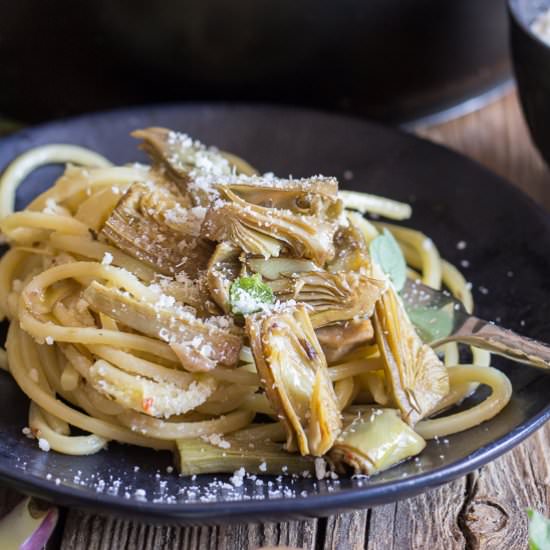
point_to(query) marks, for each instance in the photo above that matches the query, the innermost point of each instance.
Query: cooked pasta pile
(237, 320)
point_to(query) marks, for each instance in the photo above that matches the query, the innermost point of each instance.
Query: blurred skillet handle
(485, 335)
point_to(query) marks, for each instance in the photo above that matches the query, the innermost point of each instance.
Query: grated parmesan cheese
(216, 440)
(51, 206)
(238, 476)
(27, 432)
(320, 468)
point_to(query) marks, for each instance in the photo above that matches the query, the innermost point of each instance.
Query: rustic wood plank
(494, 516)
(94, 532)
(427, 521)
(344, 531)
(86, 531)
(294, 534)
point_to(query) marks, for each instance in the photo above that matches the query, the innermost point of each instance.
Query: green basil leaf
(249, 295)
(385, 252)
(431, 324)
(539, 531)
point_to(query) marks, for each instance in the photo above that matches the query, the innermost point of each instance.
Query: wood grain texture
(86, 531)
(485, 510)
(497, 137)
(344, 531)
(498, 494)
(428, 521)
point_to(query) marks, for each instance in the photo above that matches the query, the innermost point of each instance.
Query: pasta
(233, 319)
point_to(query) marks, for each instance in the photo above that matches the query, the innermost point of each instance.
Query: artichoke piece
(223, 224)
(416, 378)
(199, 344)
(332, 296)
(228, 454)
(160, 400)
(153, 225)
(267, 231)
(340, 339)
(191, 292)
(317, 196)
(275, 268)
(375, 387)
(375, 441)
(184, 160)
(256, 188)
(294, 374)
(223, 268)
(352, 251)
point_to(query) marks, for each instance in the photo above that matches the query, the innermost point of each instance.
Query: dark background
(391, 60)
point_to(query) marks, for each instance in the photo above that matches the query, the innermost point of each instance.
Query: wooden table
(482, 510)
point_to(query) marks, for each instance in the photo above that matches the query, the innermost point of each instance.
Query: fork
(440, 318)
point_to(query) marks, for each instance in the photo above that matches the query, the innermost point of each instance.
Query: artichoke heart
(228, 454)
(263, 231)
(223, 268)
(294, 374)
(146, 396)
(200, 344)
(275, 268)
(351, 250)
(191, 292)
(153, 225)
(375, 441)
(316, 196)
(332, 296)
(183, 159)
(417, 380)
(339, 339)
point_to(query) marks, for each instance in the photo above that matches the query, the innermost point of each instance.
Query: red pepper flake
(147, 404)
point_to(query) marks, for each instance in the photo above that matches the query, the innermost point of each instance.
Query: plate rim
(405, 131)
(312, 505)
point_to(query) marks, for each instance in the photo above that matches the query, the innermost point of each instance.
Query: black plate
(507, 236)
